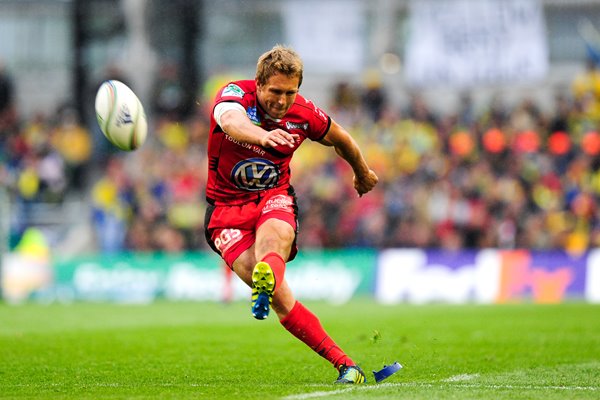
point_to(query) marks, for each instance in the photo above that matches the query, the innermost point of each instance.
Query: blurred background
(480, 117)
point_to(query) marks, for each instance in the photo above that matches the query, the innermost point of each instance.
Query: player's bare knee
(243, 267)
(274, 235)
(280, 244)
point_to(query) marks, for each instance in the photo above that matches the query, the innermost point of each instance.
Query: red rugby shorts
(231, 230)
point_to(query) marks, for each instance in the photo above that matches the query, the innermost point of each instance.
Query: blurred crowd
(500, 177)
(491, 176)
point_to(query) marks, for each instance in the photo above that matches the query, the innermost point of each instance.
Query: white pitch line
(323, 393)
(461, 378)
(445, 383)
(527, 387)
(315, 395)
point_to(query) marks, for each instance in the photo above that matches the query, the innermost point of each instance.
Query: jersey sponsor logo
(295, 125)
(255, 174)
(253, 115)
(233, 90)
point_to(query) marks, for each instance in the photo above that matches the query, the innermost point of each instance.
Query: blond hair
(279, 60)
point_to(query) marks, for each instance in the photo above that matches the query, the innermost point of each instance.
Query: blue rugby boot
(351, 375)
(263, 287)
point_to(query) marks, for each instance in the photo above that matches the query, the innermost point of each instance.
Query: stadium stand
(502, 177)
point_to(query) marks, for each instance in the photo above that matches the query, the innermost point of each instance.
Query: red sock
(277, 264)
(305, 325)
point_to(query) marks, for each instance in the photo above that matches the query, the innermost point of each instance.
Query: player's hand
(279, 137)
(364, 184)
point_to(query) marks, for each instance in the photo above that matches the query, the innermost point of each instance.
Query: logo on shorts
(280, 202)
(255, 174)
(227, 238)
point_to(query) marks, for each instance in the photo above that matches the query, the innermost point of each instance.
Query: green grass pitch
(214, 351)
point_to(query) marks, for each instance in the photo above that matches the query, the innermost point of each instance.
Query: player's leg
(301, 322)
(306, 326)
(244, 264)
(274, 240)
(276, 234)
(227, 292)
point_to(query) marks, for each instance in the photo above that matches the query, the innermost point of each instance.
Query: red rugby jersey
(238, 172)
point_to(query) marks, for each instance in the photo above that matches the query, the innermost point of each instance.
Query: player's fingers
(273, 140)
(280, 137)
(289, 138)
(359, 189)
(363, 187)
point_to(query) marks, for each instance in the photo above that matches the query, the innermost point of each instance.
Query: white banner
(406, 275)
(592, 281)
(464, 43)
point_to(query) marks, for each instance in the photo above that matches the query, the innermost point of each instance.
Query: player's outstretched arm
(237, 125)
(346, 147)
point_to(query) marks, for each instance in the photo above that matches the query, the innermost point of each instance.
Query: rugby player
(251, 221)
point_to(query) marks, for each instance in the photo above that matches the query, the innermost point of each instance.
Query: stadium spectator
(587, 82)
(251, 222)
(7, 106)
(345, 102)
(373, 98)
(168, 94)
(74, 143)
(111, 202)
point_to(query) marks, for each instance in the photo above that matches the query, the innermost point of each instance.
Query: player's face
(278, 94)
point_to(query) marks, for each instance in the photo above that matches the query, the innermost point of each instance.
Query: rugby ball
(121, 115)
